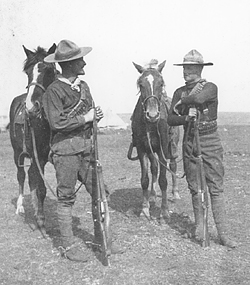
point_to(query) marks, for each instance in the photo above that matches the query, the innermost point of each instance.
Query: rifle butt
(100, 213)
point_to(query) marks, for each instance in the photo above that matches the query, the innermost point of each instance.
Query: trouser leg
(198, 216)
(67, 168)
(66, 174)
(219, 214)
(86, 176)
(64, 215)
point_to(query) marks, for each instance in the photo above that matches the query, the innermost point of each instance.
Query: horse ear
(52, 49)
(161, 66)
(27, 51)
(138, 67)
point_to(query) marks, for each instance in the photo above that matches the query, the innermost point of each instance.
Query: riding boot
(198, 216)
(70, 249)
(219, 214)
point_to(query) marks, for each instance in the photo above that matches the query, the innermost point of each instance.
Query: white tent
(112, 121)
(4, 120)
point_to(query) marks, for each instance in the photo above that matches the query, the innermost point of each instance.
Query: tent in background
(4, 120)
(112, 121)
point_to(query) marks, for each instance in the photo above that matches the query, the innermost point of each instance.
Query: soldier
(198, 94)
(68, 106)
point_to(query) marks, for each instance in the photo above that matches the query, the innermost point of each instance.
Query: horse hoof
(145, 213)
(165, 214)
(43, 232)
(177, 196)
(20, 210)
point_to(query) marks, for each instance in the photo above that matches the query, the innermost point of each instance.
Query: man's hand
(192, 113)
(99, 113)
(89, 117)
(176, 106)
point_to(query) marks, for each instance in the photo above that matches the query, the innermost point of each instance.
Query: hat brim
(84, 51)
(193, 63)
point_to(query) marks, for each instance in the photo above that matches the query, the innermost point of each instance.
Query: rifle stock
(100, 210)
(202, 187)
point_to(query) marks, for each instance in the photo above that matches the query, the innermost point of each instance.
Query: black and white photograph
(125, 133)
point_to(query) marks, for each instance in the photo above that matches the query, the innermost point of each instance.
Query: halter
(145, 110)
(36, 84)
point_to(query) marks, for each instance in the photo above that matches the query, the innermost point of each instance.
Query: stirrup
(130, 150)
(26, 157)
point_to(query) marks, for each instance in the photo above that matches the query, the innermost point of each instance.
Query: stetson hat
(193, 58)
(67, 51)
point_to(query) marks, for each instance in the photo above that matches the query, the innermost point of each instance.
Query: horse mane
(38, 55)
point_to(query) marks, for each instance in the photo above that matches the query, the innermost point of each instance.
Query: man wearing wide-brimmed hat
(201, 97)
(69, 108)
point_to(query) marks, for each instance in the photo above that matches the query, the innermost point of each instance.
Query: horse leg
(173, 168)
(154, 172)
(144, 184)
(38, 194)
(20, 178)
(163, 183)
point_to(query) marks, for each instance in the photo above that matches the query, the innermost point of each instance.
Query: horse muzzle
(152, 109)
(152, 117)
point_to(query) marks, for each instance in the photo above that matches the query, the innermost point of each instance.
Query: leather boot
(198, 216)
(70, 249)
(219, 214)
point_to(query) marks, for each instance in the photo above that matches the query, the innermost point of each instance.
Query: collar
(192, 84)
(73, 82)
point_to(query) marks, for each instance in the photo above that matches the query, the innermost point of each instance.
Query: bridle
(144, 106)
(36, 103)
(36, 84)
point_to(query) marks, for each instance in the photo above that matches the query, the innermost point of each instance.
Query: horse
(30, 132)
(151, 135)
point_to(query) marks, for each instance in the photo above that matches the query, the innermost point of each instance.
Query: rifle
(201, 181)
(100, 210)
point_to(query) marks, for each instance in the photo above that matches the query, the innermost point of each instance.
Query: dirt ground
(156, 253)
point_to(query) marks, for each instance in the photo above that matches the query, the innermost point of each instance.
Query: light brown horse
(152, 137)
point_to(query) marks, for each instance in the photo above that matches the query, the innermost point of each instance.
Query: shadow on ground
(51, 224)
(129, 203)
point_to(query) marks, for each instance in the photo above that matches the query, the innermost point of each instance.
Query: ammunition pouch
(205, 128)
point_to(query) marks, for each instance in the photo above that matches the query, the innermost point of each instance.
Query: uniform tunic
(206, 101)
(70, 140)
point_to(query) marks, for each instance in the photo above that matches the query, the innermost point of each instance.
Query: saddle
(21, 118)
(20, 115)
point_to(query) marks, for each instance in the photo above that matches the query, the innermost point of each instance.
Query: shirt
(69, 133)
(206, 101)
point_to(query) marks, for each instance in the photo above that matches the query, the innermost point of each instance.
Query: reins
(36, 154)
(144, 104)
(41, 172)
(37, 161)
(156, 158)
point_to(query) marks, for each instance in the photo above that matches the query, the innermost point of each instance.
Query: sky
(125, 31)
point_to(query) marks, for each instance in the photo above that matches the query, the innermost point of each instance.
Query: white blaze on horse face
(150, 80)
(31, 89)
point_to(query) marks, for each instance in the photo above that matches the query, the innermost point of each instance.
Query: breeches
(69, 169)
(212, 155)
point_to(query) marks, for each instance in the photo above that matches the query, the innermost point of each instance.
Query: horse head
(151, 86)
(40, 76)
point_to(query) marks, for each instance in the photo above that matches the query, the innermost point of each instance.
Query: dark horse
(151, 137)
(29, 130)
